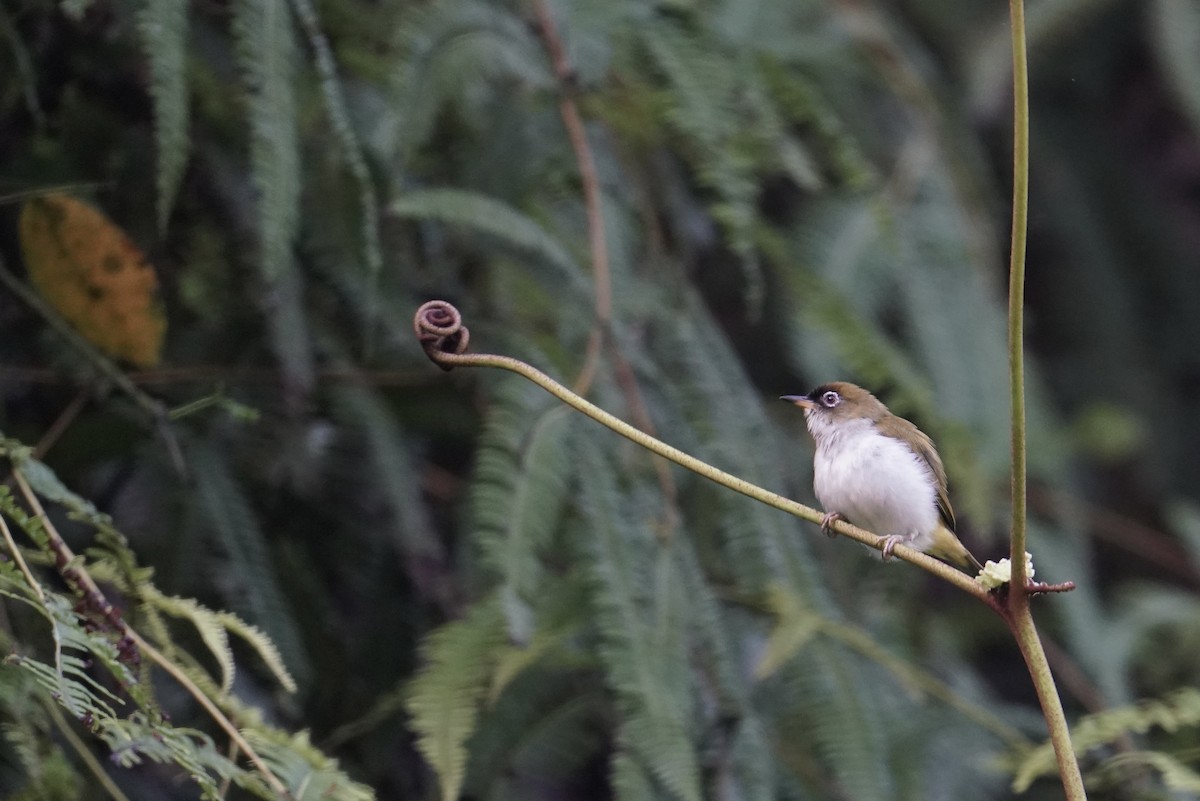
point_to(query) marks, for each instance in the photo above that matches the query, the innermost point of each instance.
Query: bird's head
(832, 406)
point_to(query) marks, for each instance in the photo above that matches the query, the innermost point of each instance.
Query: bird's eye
(830, 399)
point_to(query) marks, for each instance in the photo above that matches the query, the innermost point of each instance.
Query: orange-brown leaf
(92, 273)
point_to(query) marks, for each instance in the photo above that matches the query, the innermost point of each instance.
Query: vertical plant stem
(1016, 287)
(590, 179)
(1018, 613)
(1021, 622)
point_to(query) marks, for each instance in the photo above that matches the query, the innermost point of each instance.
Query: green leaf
(518, 491)
(794, 627)
(443, 700)
(163, 27)
(485, 215)
(214, 628)
(249, 574)
(1180, 709)
(641, 615)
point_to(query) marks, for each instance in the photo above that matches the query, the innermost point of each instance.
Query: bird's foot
(828, 520)
(888, 544)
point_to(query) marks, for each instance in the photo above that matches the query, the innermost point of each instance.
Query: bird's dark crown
(843, 399)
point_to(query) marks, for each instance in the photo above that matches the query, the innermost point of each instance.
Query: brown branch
(590, 180)
(219, 373)
(598, 246)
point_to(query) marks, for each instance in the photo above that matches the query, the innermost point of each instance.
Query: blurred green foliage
(792, 191)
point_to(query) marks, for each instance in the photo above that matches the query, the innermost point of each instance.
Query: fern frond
(214, 629)
(443, 699)
(394, 472)
(517, 494)
(545, 725)
(136, 739)
(489, 216)
(309, 774)
(43, 481)
(640, 617)
(842, 722)
(265, 47)
(455, 53)
(351, 149)
(632, 781)
(707, 387)
(1176, 776)
(163, 27)
(266, 52)
(719, 640)
(250, 577)
(1180, 709)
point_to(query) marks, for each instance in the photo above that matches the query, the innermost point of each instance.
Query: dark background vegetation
(793, 191)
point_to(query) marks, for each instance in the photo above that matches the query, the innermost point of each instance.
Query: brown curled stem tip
(439, 329)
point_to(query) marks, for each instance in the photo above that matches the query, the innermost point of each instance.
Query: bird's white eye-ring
(830, 399)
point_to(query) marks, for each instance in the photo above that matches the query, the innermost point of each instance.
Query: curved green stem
(940, 569)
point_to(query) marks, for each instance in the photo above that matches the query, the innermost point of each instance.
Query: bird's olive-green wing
(901, 429)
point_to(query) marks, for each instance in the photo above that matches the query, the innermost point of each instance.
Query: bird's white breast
(875, 481)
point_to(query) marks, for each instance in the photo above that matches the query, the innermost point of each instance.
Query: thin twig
(598, 247)
(64, 419)
(590, 180)
(102, 363)
(20, 560)
(223, 374)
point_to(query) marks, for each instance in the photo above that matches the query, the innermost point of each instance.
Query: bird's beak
(800, 400)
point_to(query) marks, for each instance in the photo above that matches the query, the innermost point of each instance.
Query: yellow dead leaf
(93, 274)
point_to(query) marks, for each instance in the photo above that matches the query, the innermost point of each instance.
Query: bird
(879, 472)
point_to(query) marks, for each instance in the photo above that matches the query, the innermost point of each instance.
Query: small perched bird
(879, 472)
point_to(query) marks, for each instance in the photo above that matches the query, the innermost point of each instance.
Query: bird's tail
(948, 547)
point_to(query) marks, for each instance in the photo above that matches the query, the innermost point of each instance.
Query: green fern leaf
(250, 575)
(488, 216)
(709, 111)
(214, 628)
(351, 149)
(137, 738)
(454, 51)
(641, 618)
(794, 627)
(1180, 709)
(309, 774)
(394, 473)
(518, 490)
(266, 53)
(1177, 777)
(840, 719)
(632, 781)
(163, 27)
(443, 699)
